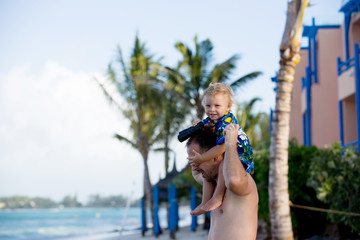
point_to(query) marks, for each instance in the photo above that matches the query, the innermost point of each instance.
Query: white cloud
(56, 131)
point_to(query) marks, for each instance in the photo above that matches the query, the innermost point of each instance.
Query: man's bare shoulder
(249, 189)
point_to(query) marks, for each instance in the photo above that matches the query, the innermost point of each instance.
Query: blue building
(326, 100)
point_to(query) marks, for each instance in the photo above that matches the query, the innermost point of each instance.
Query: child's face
(216, 106)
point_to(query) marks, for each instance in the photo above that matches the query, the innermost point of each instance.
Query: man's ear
(218, 159)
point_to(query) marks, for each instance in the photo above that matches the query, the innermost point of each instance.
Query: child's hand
(194, 167)
(196, 159)
(195, 123)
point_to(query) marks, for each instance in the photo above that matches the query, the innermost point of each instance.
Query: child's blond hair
(217, 88)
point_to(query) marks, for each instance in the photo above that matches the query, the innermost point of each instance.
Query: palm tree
(174, 111)
(141, 91)
(194, 74)
(280, 219)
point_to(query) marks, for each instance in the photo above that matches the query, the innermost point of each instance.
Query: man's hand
(231, 134)
(196, 159)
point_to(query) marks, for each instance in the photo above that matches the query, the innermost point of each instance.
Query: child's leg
(218, 195)
(207, 192)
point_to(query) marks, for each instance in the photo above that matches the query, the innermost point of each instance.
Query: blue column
(338, 66)
(313, 64)
(346, 32)
(193, 206)
(176, 207)
(341, 124)
(304, 128)
(357, 93)
(271, 120)
(156, 211)
(308, 107)
(209, 216)
(310, 49)
(143, 217)
(169, 207)
(172, 210)
(303, 85)
(315, 61)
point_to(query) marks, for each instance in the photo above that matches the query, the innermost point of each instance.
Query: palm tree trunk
(167, 157)
(199, 107)
(148, 193)
(280, 219)
(281, 227)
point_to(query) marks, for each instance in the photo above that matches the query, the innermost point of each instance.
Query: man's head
(201, 142)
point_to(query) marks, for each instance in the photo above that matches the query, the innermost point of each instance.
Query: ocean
(77, 223)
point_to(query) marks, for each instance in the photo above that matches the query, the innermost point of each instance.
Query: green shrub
(305, 223)
(334, 174)
(261, 177)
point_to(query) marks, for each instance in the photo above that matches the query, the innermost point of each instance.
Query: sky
(56, 126)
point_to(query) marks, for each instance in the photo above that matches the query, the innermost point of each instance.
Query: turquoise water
(76, 223)
(66, 223)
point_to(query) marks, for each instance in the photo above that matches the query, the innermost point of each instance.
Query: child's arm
(210, 154)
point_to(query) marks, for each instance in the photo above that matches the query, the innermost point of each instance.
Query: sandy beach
(183, 233)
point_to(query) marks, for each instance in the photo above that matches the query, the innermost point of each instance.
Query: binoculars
(188, 132)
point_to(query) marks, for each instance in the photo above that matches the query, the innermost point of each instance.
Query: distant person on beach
(217, 102)
(237, 217)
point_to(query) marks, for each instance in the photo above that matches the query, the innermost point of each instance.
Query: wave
(80, 223)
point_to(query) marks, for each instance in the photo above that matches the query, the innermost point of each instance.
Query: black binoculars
(188, 132)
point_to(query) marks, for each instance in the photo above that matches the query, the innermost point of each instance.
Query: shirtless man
(237, 217)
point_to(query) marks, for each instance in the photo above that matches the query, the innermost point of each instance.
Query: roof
(163, 184)
(350, 6)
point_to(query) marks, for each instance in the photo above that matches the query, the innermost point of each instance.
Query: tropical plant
(334, 174)
(306, 223)
(141, 93)
(264, 125)
(256, 125)
(281, 227)
(194, 73)
(174, 111)
(261, 177)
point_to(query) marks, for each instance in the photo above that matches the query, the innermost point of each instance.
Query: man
(237, 217)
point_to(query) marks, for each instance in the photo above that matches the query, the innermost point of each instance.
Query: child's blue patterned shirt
(244, 148)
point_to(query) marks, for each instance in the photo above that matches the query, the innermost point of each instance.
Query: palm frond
(204, 50)
(159, 149)
(249, 106)
(123, 65)
(124, 139)
(184, 50)
(245, 79)
(108, 96)
(221, 72)
(163, 149)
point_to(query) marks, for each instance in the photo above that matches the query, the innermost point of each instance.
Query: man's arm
(236, 178)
